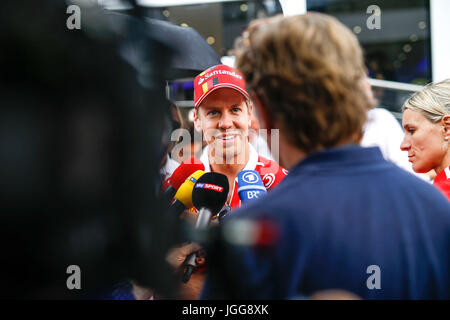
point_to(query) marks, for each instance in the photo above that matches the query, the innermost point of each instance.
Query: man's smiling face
(224, 117)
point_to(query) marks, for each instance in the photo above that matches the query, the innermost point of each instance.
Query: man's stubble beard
(230, 155)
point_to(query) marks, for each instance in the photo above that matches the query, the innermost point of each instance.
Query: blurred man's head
(76, 124)
(304, 74)
(222, 110)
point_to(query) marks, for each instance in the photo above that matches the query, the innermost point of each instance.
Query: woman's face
(424, 142)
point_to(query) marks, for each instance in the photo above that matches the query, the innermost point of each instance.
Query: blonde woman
(426, 120)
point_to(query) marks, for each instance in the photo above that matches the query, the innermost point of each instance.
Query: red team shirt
(271, 173)
(442, 182)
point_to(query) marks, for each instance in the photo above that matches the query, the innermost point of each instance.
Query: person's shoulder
(271, 172)
(265, 207)
(281, 195)
(382, 115)
(419, 192)
(444, 187)
(175, 166)
(280, 208)
(265, 164)
(382, 112)
(171, 166)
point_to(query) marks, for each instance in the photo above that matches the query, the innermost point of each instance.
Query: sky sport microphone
(209, 196)
(178, 177)
(250, 185)
(183, 197)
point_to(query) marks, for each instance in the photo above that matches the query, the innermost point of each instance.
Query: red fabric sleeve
(271, 173)
(444, 187)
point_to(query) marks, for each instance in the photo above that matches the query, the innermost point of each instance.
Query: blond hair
(307, 72)
(433, 101)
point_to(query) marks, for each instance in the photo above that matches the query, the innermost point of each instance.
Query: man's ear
(446, 127)
(197, 121)
(267, 121)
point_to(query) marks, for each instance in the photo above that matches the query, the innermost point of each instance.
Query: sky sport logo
(209, 186)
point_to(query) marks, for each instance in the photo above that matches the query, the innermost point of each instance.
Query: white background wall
(440, 39)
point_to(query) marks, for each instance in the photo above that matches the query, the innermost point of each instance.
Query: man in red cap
(223, 113)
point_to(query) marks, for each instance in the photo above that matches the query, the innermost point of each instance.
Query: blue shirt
(339, 212)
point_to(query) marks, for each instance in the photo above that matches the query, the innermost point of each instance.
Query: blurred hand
(141, 293)
(177, 255)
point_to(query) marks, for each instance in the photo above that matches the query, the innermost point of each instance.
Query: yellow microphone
(183, 196)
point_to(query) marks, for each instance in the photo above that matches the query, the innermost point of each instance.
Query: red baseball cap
(220, 76)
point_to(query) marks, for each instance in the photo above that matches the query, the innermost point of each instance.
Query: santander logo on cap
(207, 75)
(220, 76)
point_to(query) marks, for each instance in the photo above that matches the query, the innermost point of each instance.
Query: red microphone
(184, 170)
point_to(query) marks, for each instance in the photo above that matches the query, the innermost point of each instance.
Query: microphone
(178, 177)
(250, 185)
(209, 196)
(183, 196)
(223, 213)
